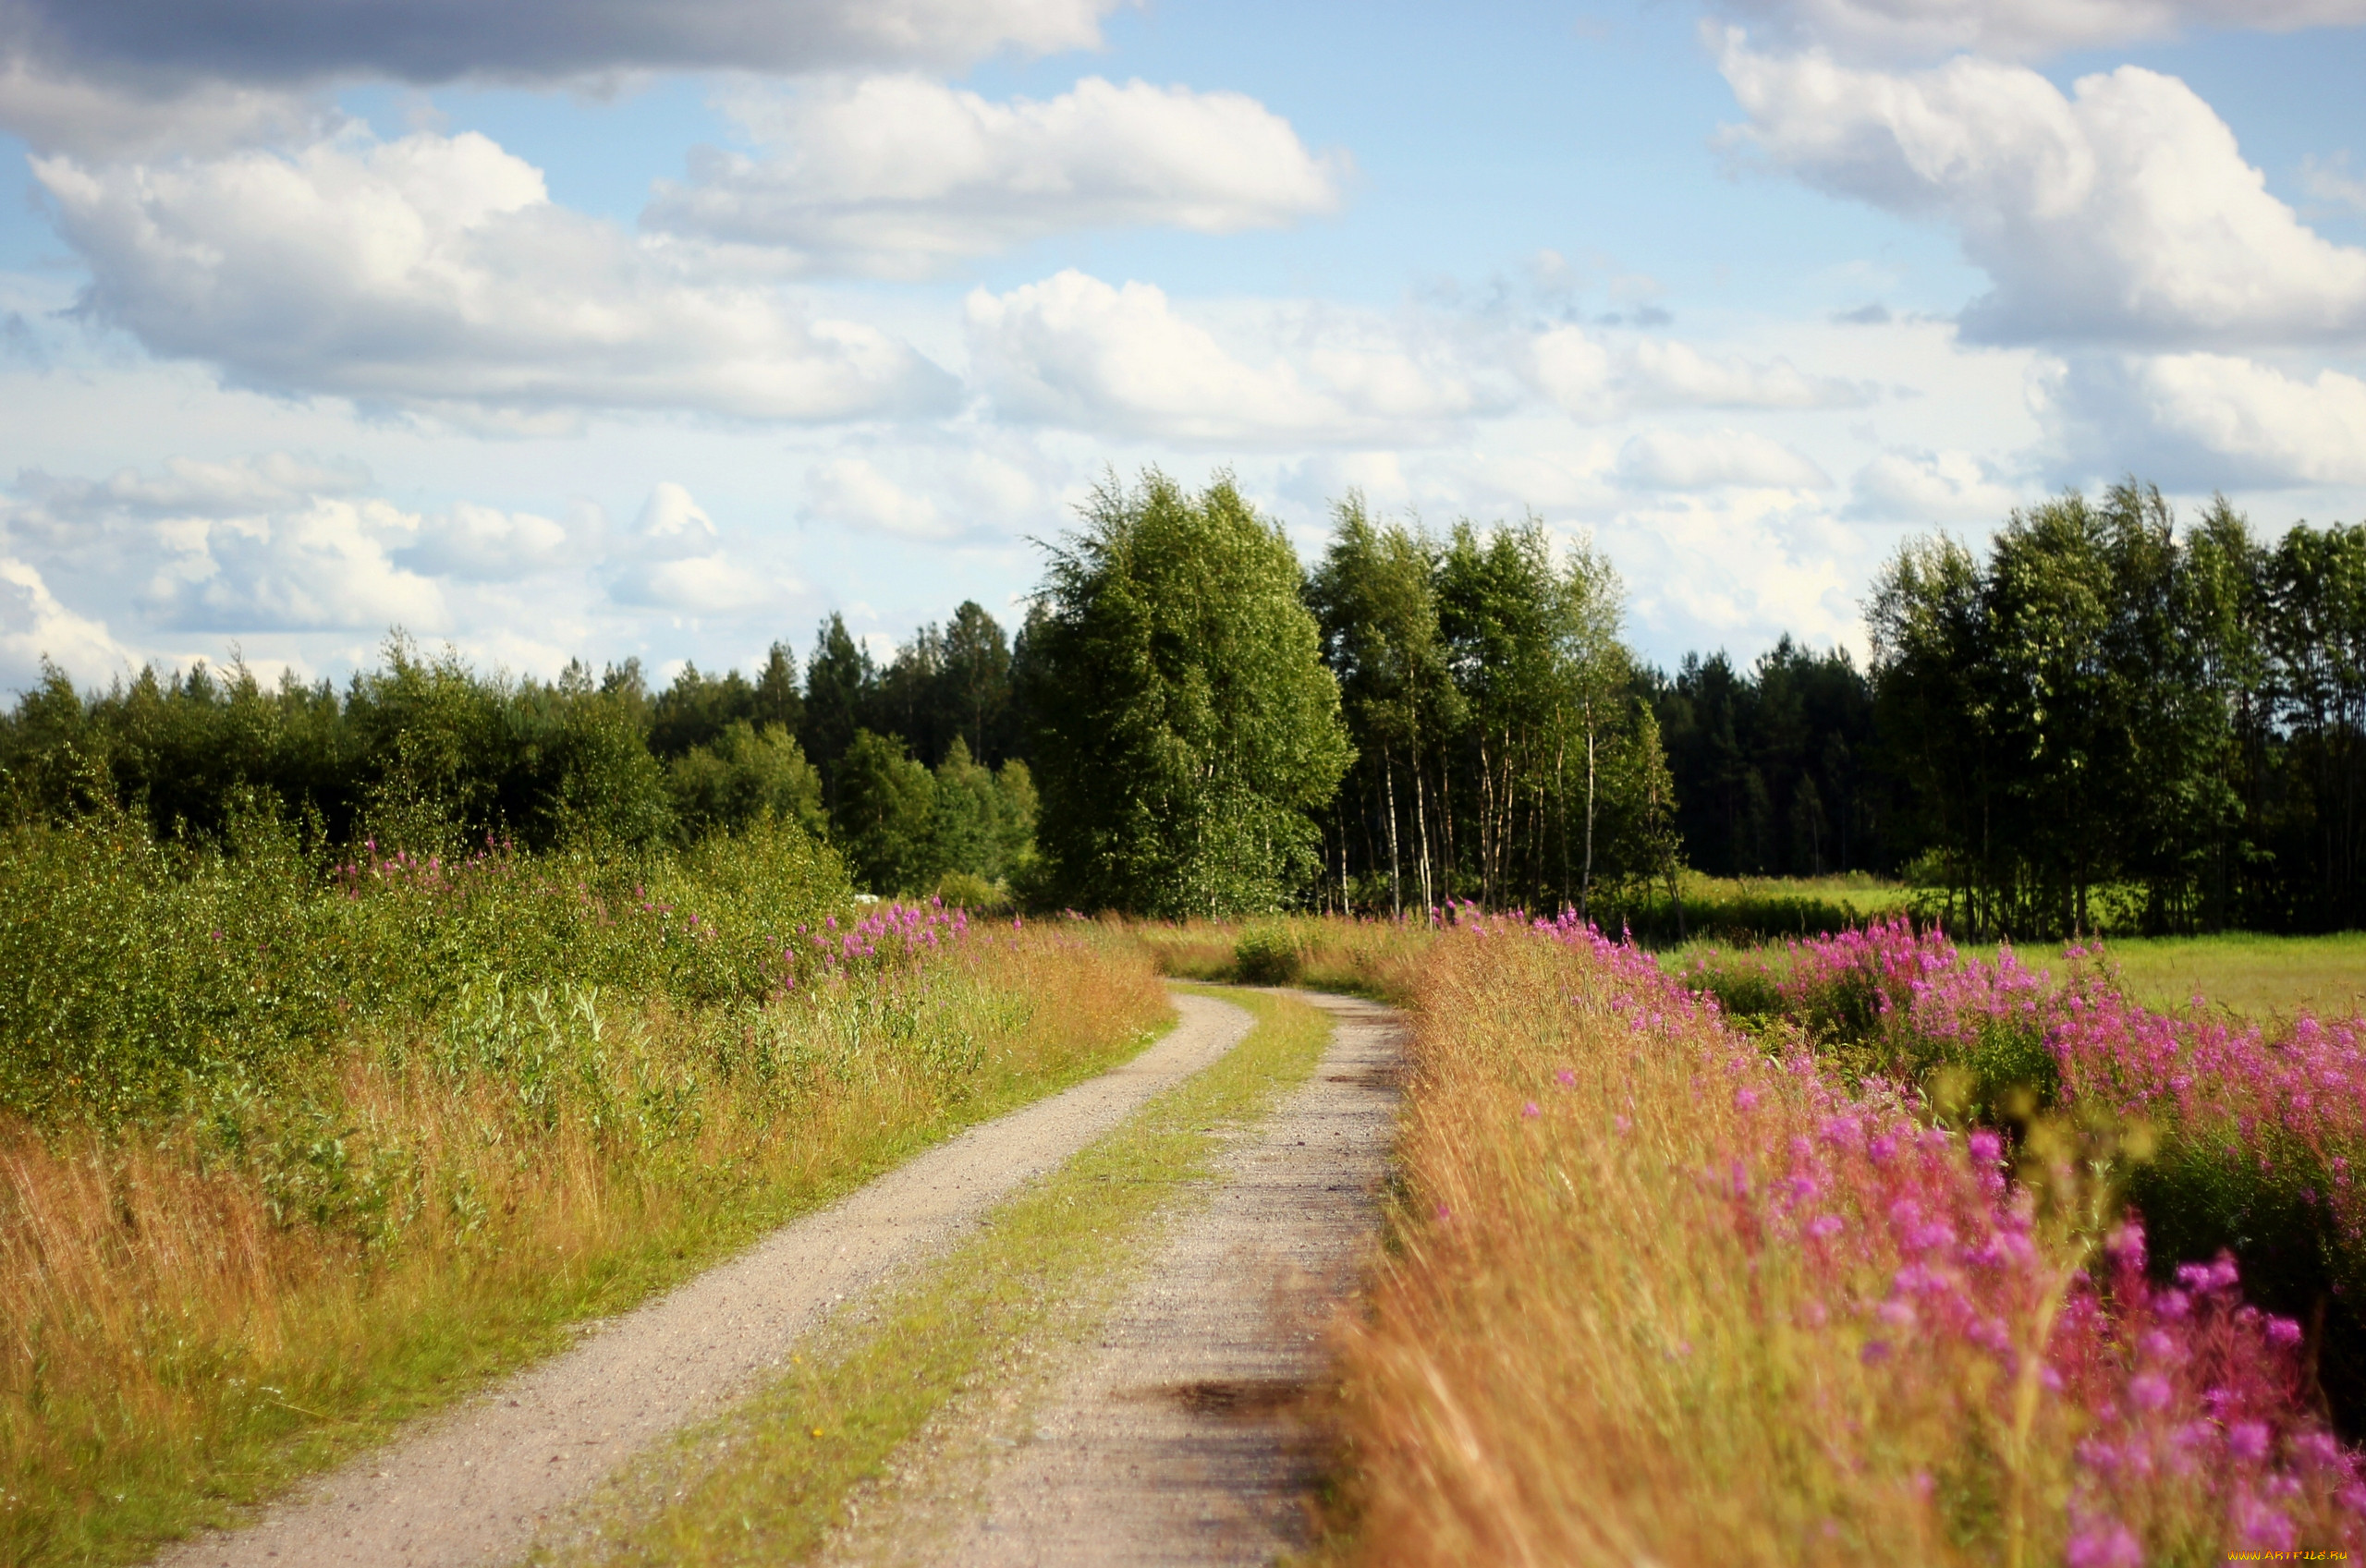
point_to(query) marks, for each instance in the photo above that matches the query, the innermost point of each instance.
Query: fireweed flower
(2181, 1407)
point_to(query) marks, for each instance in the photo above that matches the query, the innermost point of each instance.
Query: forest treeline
(907, 767)
(2104, 721)
(2108, 720)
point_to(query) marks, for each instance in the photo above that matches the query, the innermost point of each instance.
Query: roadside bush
(1267, 955)
(744, 775)
(976, 895)
(134, 972)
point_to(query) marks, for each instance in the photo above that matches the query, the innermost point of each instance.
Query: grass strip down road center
(766, 1482)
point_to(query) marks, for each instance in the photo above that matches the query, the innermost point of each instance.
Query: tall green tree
(779, 700)
(984, 816)
(883, 820)
(2074, 717)
(697, 707)
(2315, 636)
(977, 684)
(1184, 726)
(1534, 647)
(1774, 764)
(1375, 598)
(744, 776)
(841, 686)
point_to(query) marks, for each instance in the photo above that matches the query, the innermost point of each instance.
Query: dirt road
(470, 1487)
(1181, 1437)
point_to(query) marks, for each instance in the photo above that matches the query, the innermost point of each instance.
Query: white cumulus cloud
(675, 558)
(326, 565)
(433, 273)
(486, 544)
(899, 175)
(2021, 29)
(35, 626)
(700, 584)
(2122, 211)
(672, 525)
(1075, 351)
(276, 543)
(1690, 460)
(1929, 489)
(2212, 420)
(852, 492)
(1600, 380)
(1740, 565)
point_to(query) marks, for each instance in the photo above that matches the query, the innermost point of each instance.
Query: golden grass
(1583, 1352)
(765, 1483)
(1364, 958)
(192, 1315)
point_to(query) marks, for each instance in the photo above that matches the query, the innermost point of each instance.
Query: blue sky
(665, 329)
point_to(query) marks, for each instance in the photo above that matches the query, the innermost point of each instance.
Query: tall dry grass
(194, 1310)
(1370, 957)
(1660, 1297)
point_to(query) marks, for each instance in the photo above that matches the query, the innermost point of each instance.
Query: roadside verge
(767, 1481)
(478, 1482)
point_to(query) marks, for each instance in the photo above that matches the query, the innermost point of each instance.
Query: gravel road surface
(1181, 1438)
(469, 1487)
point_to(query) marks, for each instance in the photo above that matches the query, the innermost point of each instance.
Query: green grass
(766, 1482)
(2258, 977)
(2264, 978)
(1743, 909)
(1867, 891)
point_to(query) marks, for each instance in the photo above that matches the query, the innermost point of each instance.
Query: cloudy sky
(665, 327)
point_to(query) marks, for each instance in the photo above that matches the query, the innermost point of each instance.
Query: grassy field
(2266, 979)
(2256, 977)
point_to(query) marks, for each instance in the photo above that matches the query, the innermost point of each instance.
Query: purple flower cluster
(1853, 982)
(2178, 1413)
(374, 870)
(2284, 1110)
(890, 934)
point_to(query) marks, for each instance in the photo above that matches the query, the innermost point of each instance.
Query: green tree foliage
(1774, 766)
(698, 707)
(947, 684)
(744, 775)
(1641, 810)
(421, 751)
(885, 818)
(984, 818)
(1500, 752)
(841, 687)
(2108, 708)
(425, 753)
(1183, 724)
(1375, 596)
(974, 696)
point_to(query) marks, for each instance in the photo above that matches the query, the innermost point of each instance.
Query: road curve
(471, 1485)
